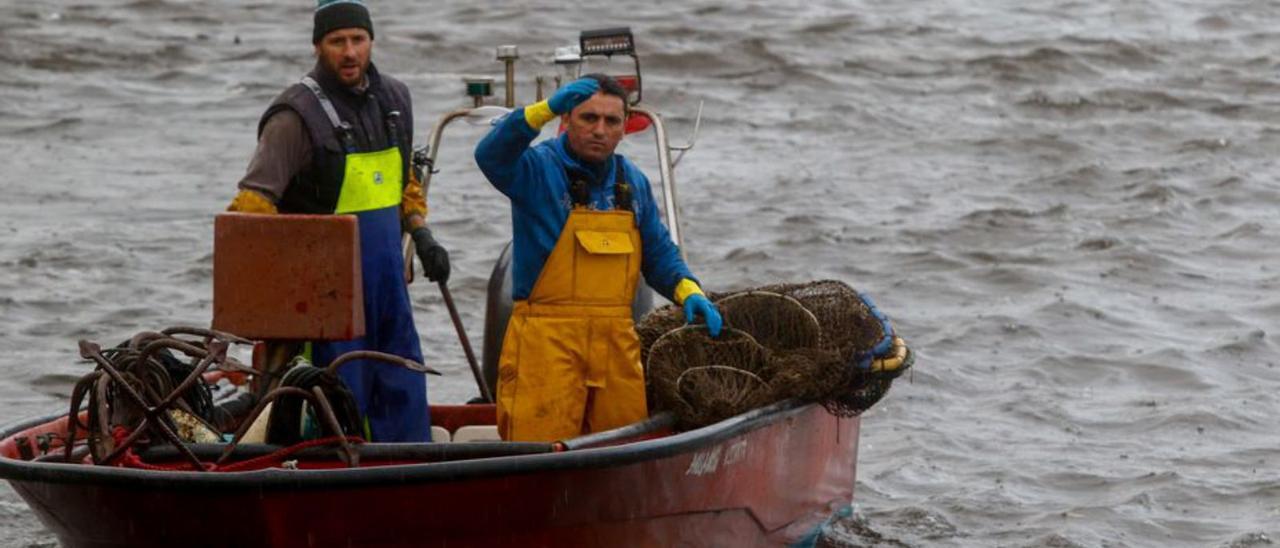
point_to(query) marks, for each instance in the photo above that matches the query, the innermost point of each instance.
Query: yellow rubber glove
(685, 288)
(412, 201)
(248, 201)
(538, 114)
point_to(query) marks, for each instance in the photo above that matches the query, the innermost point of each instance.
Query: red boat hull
(768, 477)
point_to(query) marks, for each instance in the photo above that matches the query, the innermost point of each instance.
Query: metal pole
(433, 149)
(511, 84)
(433, 145)
(668, 177)
(508, 55)
(466, 343)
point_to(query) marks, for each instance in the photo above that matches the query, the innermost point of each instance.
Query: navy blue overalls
(361, 142)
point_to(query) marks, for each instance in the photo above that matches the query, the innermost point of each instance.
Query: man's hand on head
(561, 102)
(572, 94)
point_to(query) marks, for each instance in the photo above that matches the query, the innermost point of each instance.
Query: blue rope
(882, 348)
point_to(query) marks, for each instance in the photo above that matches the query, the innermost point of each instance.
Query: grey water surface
(1070, 209)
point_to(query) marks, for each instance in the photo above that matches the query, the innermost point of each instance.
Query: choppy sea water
(1070, 209)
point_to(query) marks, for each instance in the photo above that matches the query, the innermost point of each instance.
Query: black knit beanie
(332, 15)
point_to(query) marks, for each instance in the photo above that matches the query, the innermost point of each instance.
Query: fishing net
(820, 341)
(776, 321)
(697, 376)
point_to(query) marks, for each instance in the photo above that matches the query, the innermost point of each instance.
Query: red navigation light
(629, 82)
(637, 123)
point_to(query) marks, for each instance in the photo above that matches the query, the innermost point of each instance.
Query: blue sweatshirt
(534, 179)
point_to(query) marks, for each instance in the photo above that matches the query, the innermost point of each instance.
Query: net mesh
(813, 341)
(697, 376)
(776, 321)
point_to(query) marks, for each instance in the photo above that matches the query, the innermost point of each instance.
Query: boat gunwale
(15, 470)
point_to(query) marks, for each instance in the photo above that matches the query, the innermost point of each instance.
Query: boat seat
(440, 435)
(476, 433)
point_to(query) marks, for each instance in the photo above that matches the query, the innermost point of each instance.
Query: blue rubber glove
(572, 94)
(699, 305)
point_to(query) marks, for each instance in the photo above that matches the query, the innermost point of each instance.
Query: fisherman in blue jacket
(586, 226)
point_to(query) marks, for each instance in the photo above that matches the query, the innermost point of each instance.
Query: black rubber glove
(435, 260)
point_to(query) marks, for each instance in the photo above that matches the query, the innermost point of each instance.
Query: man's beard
(358, 79)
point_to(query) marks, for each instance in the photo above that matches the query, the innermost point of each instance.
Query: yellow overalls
(570, 360)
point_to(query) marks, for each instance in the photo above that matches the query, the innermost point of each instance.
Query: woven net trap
(819, 341)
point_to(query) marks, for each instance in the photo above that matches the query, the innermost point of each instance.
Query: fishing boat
(769, 476)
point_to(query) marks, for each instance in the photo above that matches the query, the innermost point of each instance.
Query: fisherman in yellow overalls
(585, 227)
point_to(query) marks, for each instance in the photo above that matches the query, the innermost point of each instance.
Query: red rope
(130, 459)
(277, 457)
